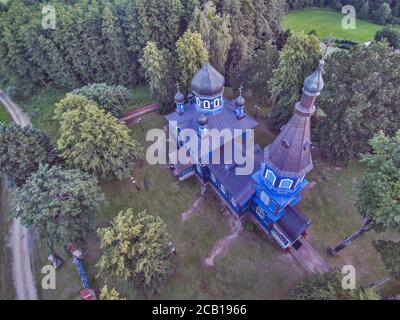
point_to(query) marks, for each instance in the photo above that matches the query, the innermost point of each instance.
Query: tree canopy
(135, 249)
(378, 196)
(93, 140)
(328, 286)
(60, 204)
(111, 98)
(360, 98)
(390, 254)
(22, 150)
(297, 60)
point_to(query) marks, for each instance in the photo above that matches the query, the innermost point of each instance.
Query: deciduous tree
(135, 249)
(60, 204)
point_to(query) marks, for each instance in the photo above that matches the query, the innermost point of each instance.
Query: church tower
(286, 163)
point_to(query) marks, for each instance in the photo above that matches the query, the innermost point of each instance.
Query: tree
(162, 21)
(135, 249)
(297, 60)
(60, 204)
(390, 254)
(378, 196)
(188, 11)
(96, 142)
(112, 294)
(215, 30)
(111, 98)
(383, 14)
(160, 73)
(364, 10)
(22, 150)
(191, 54)
(362, 90)
(328, 286)
(256, 71)
(391, 35)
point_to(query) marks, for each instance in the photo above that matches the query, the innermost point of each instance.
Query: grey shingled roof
(207, 82)
(294, 222)
(290, 153)
(241, 187)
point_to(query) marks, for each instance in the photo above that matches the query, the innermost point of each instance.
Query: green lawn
(4, 116)
(327, 22)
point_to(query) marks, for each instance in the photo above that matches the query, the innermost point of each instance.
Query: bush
(391, 35)
(111, 98)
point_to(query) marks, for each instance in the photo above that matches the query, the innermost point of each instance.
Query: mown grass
(4, 116)
(328, 23)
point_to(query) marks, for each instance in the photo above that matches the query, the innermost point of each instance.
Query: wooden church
(269, 194)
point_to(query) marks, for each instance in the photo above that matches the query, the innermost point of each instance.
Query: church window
(260, 212)
(270, 176)
(233, 201)
(217, 103)
(206, 104)
(264, 198)
(286, 183)
(198, 101)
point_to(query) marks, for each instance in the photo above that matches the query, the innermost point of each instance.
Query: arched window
(206, 104)
(270, 176)
(233, 201)
(198, 102)
(286, 183)
(223, 189)
(217, 103)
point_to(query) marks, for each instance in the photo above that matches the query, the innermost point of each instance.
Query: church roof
(293, 223)
(290, 153)
(207, 82)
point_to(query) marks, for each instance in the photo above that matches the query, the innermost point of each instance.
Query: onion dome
(202, 120)
(239, 101)
(314, 83)
(207, 82)
(179, 97)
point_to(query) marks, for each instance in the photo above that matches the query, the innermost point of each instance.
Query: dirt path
(186, 214)
(309, 258)
(22, 271)
(224, 243)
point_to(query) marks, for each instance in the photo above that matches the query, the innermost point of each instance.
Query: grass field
(4, 116)
(327, 23)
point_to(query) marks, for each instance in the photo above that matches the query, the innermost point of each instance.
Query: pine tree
(215, 30)
(135, 249)
(297, 60)
(191, 54)
(160, 73)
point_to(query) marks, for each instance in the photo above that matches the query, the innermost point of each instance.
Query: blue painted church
(269, 195)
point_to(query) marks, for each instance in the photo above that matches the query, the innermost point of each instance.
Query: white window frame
(260, 212)
(223, 190)
(284, 181)
(217, 102)
(264, 196)
(266, 176)
(233, 201)
(198, 102)
(213, 177)
(206, 104)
